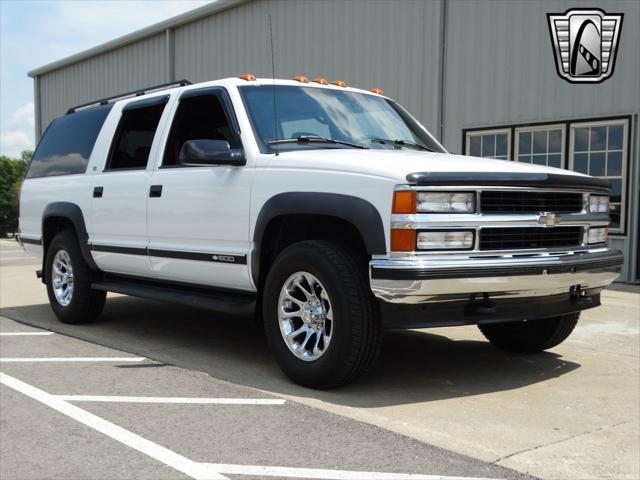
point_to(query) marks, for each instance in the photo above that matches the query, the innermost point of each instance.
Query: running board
(230, 303)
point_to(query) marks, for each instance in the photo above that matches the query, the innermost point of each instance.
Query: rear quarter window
(66, 145)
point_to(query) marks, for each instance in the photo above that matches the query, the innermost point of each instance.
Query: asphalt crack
(571, 437)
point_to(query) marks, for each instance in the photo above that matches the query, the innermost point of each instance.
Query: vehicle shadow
(415, 366)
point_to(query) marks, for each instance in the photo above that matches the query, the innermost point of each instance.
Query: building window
(600, 149)
(489, 143)
(542, 145)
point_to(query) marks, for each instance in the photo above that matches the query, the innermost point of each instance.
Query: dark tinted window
(134, 136)
(198, 118)
(66, 146)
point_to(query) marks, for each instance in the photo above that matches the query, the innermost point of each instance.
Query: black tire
(357, 333)
(531, 336)
(85, 304)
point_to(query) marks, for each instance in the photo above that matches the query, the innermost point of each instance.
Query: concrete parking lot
(179, 393)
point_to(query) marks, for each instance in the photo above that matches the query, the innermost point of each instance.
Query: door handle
(155, 191)
(97, 192)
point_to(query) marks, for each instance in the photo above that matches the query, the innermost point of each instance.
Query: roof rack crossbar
(135, 93)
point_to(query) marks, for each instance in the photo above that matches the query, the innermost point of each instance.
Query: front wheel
(68, 279)
(321, 320)
(530, 336)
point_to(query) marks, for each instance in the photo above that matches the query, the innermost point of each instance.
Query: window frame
(222, 94)
(489, 131)
(624, 173)
(538, 128)
(129, 107)
(568, 149)
(34, 155)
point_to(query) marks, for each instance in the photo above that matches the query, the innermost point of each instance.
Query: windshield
(324, 118)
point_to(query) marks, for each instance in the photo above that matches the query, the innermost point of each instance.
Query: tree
(11, 175)
(26, 155)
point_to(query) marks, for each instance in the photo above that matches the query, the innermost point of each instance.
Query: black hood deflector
(508, 179)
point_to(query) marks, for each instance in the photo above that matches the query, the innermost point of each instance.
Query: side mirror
(196, 153)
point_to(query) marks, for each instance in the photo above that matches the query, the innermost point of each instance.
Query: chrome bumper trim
(421, 280)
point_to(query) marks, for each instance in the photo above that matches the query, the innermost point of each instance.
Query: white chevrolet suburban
(328, 211)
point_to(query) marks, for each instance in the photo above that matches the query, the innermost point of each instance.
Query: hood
(412, 166)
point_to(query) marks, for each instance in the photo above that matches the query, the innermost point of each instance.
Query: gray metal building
(479, 74)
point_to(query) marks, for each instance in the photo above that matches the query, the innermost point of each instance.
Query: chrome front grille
(514, 201)
(515, 238)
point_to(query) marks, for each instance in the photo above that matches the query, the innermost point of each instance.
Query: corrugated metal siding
(135, 66)
(500, 67)
(392, 45)
(499, 64)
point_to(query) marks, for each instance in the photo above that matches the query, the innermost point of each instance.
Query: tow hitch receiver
(578, 295)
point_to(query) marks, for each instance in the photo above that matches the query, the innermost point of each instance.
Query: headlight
(598, 235)
(446, 202)
(598, 204)
(453, 240)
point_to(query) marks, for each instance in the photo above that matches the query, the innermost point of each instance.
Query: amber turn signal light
(403, 240)
(404, 201)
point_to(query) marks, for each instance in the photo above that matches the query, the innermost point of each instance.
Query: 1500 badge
(224, 258)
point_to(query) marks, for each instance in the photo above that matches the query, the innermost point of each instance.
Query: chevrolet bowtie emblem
(547, 219)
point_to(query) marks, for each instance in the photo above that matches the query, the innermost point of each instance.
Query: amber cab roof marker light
(321, 81)
(248, 77)
(301, 79)
(377, 91)
(339, 83)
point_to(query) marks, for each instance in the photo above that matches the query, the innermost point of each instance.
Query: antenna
(273, 87)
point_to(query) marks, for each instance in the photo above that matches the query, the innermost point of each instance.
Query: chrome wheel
(62, 278)
(305, 316)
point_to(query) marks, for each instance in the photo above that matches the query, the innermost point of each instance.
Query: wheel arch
(353, 212)
(60, 215)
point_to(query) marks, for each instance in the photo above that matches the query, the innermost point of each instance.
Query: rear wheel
(321, 320)
(68, 279)
(530, 336)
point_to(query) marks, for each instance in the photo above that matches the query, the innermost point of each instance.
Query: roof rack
(136, 93)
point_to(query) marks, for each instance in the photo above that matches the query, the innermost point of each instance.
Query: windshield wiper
(402, 143)
(307, 139)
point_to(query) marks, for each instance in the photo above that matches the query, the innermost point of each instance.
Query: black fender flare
(357, 211)
(73, 213)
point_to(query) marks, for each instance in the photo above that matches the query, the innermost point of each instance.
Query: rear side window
(66, 145)
(134, 136)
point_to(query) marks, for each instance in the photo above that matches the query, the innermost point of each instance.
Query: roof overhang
(212, 8)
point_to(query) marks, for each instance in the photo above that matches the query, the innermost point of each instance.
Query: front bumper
(422, 279)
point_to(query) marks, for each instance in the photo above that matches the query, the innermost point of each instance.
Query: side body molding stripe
(360, 213)
(198, 256)
(31, 241)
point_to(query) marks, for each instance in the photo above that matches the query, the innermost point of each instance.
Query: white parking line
(319, 473)
(19, 334)
(194, 400)
(153, 450)
(199, 471)
(71, 359)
